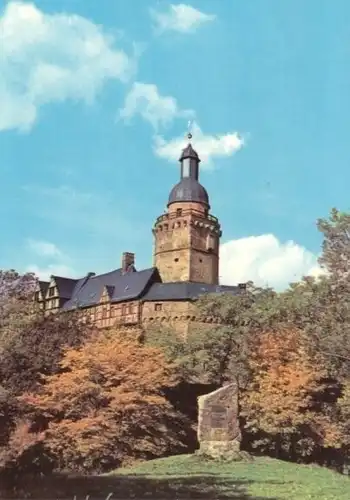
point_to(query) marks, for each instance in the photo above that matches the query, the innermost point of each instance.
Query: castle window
(210, 243)
(129, 309)
(176, 260)
(51, 291)
(179, 212)
(123, 309)
(158, 307)
(200, 260)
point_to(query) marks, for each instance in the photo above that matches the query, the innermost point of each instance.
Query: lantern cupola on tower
(189, 189)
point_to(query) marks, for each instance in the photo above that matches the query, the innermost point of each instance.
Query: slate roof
(185, 290)
(145, 285)
(188, 189)
(120, 287)
(65, 286)
(43, 285)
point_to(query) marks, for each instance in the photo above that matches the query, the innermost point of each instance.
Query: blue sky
(95, 98)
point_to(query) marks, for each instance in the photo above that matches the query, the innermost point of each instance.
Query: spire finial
(189, 126)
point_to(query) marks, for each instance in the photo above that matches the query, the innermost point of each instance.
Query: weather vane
(189, 135)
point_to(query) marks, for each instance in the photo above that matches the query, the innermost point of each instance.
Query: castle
(185, 266)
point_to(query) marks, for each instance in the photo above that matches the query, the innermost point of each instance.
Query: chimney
(128, 260)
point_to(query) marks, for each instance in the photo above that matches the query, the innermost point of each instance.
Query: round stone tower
(186, 237)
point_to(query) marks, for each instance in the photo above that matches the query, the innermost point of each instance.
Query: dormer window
(51, 291)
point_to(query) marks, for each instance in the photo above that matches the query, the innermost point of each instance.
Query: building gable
(51, 289)
(106, 295)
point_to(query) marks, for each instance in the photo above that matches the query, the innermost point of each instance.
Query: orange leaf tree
(283, 404)
(107, 406)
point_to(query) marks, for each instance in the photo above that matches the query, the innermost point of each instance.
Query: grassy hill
(189, 477)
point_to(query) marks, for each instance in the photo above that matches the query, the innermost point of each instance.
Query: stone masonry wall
(176, 315)
(186, 244)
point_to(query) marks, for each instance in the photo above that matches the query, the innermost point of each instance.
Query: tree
(106, 406)
(284, 404)
(216, 347)
(16, 293)
(335, 256)
(13, 284)
(335, 315)
(36, 349)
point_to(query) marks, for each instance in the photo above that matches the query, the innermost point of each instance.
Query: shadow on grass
(136, 487)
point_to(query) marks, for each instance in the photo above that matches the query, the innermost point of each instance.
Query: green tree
(36, 349)
(16, 294)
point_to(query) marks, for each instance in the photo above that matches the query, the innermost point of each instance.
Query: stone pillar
(219, 434)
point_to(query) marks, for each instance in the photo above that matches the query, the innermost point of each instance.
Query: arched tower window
(210, 243)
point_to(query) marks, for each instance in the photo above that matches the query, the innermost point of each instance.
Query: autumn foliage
(75, 398)
(278, 400)
(107, 406)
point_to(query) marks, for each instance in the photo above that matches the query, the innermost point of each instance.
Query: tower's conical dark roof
(189, 152)
(188, 190)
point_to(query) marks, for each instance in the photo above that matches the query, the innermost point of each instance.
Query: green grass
(189, 476)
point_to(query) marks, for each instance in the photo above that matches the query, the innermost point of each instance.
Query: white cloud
(208, 146)
(144, 99)
(181, 18)
(54, 260)
(45, 272)
(50, 58)
(266, 261)
(44, 248)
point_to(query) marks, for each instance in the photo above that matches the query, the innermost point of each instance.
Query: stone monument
(219, 434)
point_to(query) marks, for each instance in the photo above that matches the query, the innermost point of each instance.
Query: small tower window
(186, 167)
(179, 212)
(210, 243)
(158, 307)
